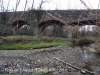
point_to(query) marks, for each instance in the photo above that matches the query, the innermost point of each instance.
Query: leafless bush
(71, 31)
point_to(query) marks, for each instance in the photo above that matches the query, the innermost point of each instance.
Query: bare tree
(41, 3)
(32, 5)
(8, 5)
(1, 5)
(85, 4)
(17, 3)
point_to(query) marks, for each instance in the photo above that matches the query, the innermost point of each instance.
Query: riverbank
(62, 52)
(37, 58)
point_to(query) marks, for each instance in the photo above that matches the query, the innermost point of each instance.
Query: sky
(51, 4)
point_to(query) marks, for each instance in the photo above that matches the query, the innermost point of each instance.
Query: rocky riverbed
(26, 62)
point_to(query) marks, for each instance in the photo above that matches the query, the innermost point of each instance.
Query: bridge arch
(43, 24)
(51, 27)
(18, 23)
(84, 22)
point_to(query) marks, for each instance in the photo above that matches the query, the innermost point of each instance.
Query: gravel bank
(41, 56)
(35, 58)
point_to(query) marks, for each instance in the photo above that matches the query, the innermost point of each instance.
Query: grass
(4, 74)
(44, 71)
(31, 42)
(91, 38)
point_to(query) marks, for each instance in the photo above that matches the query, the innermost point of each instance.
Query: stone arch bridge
(54, 19)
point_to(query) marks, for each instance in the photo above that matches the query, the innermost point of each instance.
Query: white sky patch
(88, 28)
(53, 4)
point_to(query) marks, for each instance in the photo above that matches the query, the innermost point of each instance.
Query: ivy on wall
(3, 18)
(38, 14)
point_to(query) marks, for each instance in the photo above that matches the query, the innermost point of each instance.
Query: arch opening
(16, 25)
(51, 28)
(43, 24)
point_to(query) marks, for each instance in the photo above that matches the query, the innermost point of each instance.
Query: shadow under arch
(18, 23)
(51, 27)
(84, 22)
(43, 24)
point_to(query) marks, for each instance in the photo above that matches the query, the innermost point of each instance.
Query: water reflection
(86, 55)
(91, 60)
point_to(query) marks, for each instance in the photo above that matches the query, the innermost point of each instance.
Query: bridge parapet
(77, 15)
(64, 16)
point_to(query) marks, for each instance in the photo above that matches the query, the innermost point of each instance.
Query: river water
(91, 60)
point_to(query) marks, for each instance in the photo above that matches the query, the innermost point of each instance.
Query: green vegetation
(3, 74)
(43, 71)
(38, 14)
(91, 38)
(33, 42)
(5, 30)
(30, 42)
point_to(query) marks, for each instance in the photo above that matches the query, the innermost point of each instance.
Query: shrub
(24, 31)
(4, 30)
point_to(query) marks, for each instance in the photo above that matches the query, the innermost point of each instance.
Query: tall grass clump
(30, 42)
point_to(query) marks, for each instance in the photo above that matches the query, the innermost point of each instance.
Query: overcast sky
(52, 4)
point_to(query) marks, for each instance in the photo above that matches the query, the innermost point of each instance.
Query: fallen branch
(74, 67)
